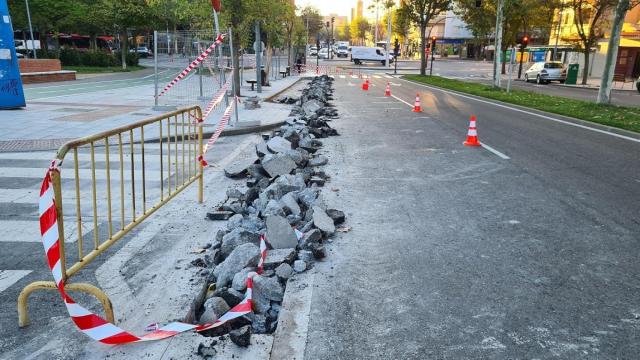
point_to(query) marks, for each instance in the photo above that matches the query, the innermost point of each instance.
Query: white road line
(354, 76)
(101, 174)
(10, 277)
(377, 76)
(388, 76)
(501, 155)
(528, 112)
(29, 230)
(342, 77)
(397, 98)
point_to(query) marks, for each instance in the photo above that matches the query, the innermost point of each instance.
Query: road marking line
(397, 98)
(529, 112)
(354, 76)
(377, 76)
(388, 76)
(501, 155)
(10, 277)
(342, 77)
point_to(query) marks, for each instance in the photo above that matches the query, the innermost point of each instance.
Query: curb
(271, 97)
(581, 122)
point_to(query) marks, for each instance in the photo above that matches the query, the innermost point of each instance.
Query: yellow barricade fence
(134, 180)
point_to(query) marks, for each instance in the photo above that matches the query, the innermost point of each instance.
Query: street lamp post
(331, 40)
(33, 43)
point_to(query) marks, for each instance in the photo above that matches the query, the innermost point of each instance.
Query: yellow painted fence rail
(118, 181)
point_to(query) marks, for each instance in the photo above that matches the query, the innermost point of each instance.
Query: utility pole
(375, 41)
(33, 43)
(386, 59)
(258, 59)
(331, 42)
(523, 45)
(604, 93)
(498, 46)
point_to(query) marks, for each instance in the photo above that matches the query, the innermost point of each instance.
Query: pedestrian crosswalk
(21, 174)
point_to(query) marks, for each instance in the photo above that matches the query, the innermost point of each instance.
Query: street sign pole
(258, 59)
(220, 60)
(233, 80)
(512, 57)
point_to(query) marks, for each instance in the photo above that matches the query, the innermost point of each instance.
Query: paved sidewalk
(45, 122)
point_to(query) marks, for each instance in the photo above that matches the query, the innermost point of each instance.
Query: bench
(252, 82)
(43, 70)
(283, 73)
(621, 78)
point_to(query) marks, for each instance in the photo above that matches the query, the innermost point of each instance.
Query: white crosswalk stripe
(10, 277)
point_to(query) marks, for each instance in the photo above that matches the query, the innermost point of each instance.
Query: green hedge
(73, 57)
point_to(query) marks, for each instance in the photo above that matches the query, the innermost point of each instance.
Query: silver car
(544, 72)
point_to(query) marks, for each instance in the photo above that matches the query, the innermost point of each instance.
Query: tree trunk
(236, 62)
(423, 60)
(585, 73)
(604, 93)
(93, 41)
(503, 53)
(267, 64)
(124, 48)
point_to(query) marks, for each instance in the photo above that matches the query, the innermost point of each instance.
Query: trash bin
(572, 74)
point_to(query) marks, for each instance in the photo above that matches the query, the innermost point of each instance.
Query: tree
(344, 32)
(604, 92)
(359, 28)
(421, 12)
(589, 22)
(311, 17)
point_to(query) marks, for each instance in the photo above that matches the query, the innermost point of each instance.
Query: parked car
(638, 84)
(142, 51)
(360, 54)
(313, 51)
(546, 71)
(343, 51)
(324, 53)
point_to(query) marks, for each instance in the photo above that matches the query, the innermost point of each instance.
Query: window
(553, 66)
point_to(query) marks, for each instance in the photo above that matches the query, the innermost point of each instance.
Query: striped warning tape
(193, 64)
(226, 116)
(91, 324)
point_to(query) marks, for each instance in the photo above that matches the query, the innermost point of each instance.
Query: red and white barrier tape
(193, 64)
(89, 323)
(226, 116)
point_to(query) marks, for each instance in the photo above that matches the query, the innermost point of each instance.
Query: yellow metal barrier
(175, 153)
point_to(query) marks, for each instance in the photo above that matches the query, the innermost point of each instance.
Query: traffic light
(478, 3)
(433, 41)
(396, 47)
(525, 41)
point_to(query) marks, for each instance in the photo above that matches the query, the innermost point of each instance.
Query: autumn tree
(589, 17)
(421, 12)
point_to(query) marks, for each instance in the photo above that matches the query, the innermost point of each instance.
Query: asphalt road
(482, 71)
(457, 252)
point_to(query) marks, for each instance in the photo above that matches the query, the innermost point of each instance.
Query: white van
(360, 54)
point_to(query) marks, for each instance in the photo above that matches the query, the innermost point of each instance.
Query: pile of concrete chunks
(282, 201)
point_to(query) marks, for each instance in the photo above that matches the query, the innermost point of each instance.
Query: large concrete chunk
(240, 279)
(280, 234)
(311, 106)
(322, 221)
(290, 204)
(245, 255)
(278, 164)
(275, 257)
(236, 237)
(239, 168)
(266, 289)
(278, 144)
(213, 309)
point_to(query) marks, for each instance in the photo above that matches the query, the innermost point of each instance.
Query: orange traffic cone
(365, 85)
(472, 135)
(387, 91)
(416, 106)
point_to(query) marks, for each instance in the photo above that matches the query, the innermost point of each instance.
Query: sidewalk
(594, 83)
(47, 123)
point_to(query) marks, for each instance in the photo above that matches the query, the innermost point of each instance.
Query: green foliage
(99, 58)
(616, 116)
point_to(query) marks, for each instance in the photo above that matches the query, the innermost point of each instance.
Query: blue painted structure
(11, 92)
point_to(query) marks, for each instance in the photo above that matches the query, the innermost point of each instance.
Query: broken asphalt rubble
(282, 201)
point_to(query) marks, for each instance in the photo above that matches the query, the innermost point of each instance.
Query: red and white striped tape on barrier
(91, 324)
(193, 64)
(226, 116)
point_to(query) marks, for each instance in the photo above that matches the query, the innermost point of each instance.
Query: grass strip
(627, 118)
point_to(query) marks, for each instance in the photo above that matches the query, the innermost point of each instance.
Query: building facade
(564, 34)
